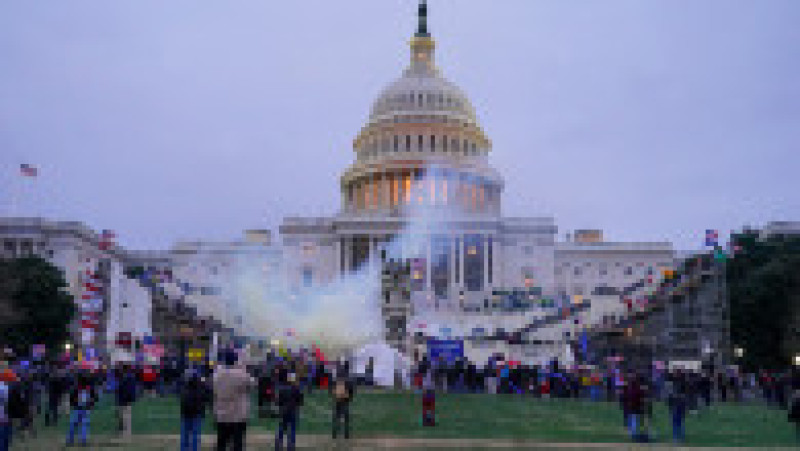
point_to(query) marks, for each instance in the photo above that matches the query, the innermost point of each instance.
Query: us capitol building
(421, 147)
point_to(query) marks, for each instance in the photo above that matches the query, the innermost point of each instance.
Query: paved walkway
(320, 442)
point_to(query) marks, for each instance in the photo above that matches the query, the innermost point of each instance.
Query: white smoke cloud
(346, 313)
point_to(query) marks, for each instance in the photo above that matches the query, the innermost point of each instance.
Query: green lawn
(484, 416)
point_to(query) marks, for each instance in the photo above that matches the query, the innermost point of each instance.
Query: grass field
(390, 414)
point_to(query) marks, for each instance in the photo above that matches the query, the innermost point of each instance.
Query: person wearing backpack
(195, 397)
(290, 398)
(82, 398)
(343, 390)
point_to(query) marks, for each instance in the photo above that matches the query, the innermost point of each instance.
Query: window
(603, 269)
(419, 98)
(408, 143)
(308, 277)
(578, 271)
(433, 143)
(396, 144)
(628, 271)
(444, 143)
(527, 250)
(474, 149)
(419, 142)
(466, 148)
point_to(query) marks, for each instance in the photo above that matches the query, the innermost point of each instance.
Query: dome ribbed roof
(422, 93)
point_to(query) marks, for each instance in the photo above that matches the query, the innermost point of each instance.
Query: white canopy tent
(386, 360)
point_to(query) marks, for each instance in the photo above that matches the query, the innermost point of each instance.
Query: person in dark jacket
(677, 403)
(266, 392)
(56, 386)
(429, 408)
(633, 399)
(342, 390)
(82, 398)
(126, 396)
(195, 397)
(290, 398)
(17, 405)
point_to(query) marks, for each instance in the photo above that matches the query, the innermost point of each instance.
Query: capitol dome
(421, 145)
(424, 92)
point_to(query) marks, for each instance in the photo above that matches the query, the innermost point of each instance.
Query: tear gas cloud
(343, 314)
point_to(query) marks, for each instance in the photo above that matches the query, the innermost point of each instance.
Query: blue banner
(447, 349)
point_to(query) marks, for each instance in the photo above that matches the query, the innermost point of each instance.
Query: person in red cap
(7, 377)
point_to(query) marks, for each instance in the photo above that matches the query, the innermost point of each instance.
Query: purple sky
(652, 120)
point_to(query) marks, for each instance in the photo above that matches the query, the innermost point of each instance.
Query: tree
(35, 307)
(764, 290)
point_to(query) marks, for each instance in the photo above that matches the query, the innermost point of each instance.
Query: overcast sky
(169, 120)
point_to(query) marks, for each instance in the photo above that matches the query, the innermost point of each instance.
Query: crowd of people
(225, 390)
(278, 385)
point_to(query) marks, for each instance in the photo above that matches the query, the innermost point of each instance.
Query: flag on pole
(106, 239)
(712, 238)
(28, 170)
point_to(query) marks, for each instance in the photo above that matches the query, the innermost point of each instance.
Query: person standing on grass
(429, 408)
(195, 397)
(56, 386)
(82, 398)
(232, 387)
(677, 403)
(342, 391)
(126, 396)
(633, 401)
(6, 379)
(794, 401)
(17, 403)
(290, 398)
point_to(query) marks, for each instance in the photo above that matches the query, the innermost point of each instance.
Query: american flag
(28, 170)
(106, 239)
(712, 238)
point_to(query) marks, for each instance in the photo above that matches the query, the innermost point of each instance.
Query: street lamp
(797, 360)
(738, 352)
(67, 346)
